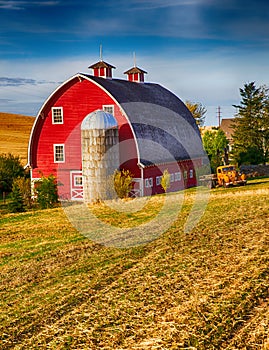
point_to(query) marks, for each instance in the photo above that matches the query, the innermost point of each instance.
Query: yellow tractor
(228, 175)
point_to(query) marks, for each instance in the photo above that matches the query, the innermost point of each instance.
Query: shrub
(16, 204)
(47, 193)
(123, 182)
(165, 180)
(24, 185)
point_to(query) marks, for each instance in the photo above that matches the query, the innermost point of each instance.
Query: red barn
(156, 131)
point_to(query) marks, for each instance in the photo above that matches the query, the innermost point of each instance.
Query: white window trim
(54, 154)
(172, 177)
(75, 179)
(149, 182)
(108, 106)
(158, 180)
(52, 116)
(178, 176)
(191, 173)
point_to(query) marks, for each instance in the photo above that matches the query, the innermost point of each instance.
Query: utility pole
(219, 115)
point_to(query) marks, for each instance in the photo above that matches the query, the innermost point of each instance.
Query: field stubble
(206, 289)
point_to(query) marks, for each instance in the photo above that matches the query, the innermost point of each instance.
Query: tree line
(250, 140)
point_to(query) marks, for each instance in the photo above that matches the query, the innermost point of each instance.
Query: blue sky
(202, 50)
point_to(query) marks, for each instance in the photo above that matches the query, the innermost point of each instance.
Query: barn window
(185, 174)
(149, 182)
(158, 180)
(57, 115)
(172, 177)
(109, 109)
(78, 181)
(59, 153)
(191, 173)
(178, 176)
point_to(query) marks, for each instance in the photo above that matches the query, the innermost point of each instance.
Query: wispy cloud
(159, 4)
(5, 81)
(5, 100)
(20, 5)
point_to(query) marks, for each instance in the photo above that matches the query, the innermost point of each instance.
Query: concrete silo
(100, 154)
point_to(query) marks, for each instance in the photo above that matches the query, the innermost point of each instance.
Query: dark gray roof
(101, 64)
(164, 127)
(135, 70)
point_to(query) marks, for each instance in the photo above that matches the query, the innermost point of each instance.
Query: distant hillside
(14, 134)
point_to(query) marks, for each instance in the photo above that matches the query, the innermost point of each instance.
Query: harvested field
(14, 134)
(206, 289)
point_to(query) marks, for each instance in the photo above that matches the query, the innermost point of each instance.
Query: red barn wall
(78, 99)
(187, 178)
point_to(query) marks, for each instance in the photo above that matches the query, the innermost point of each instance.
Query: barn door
(137, 188)
(76, 182)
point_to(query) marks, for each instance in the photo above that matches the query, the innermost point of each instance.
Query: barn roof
(134, 70)
(101, 64)
(165, 129)
(227, 126)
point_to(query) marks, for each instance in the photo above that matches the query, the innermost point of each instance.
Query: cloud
(232, 20)
(237, 19)
(20, 5)
(159, 4)
(6, 81)
(5, 100)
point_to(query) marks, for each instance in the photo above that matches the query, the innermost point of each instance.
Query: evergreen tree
(16, 204)
(251, 125)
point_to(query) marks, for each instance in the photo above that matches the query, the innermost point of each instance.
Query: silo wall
(100, 159)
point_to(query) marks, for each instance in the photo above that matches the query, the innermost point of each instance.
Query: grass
(14, 134)
(206, 289)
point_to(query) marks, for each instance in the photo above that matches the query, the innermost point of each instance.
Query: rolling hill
(14, 134)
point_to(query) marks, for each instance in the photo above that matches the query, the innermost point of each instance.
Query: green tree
(123, 182)
(16, 203)
(10, 169)
(165, 180)
(251, 125)
(24, 185)
(47, 193)
(215, 144)
(198, 111)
